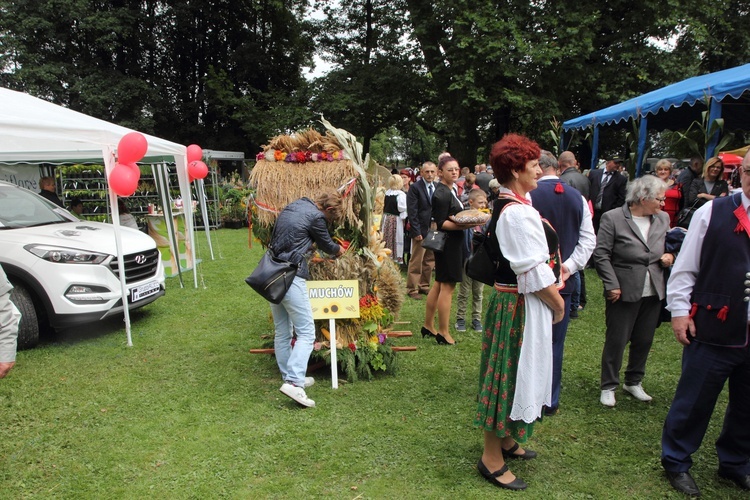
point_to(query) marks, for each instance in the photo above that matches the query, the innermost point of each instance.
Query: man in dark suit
(483, 178)
(419, 213)
(688, 175)
(570, 174)
(607, 189)
(566, 209)
(708, 296)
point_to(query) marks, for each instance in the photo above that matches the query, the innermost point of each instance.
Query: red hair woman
(516, 362)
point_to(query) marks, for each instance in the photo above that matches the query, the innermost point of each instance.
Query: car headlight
(62, 255)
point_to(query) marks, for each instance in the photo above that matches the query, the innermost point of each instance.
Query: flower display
(373, 316)
(274, 155)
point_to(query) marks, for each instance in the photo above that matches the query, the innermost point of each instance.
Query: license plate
(143, 291)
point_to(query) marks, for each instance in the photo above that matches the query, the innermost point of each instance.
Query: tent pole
(109, 161)
(714, 113)
(162, 185)
(184, 184)
(595, 147)
(200, 190)
(642, 136)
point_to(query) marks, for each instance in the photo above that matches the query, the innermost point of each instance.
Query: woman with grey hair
(630, 259)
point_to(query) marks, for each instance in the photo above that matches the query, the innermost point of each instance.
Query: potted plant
(233, 214)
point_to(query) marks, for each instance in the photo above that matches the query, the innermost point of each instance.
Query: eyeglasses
(746, 171)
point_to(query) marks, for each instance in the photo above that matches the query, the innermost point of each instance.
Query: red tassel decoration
(559, 189)
(722, 314)
(744, 221)
(693, 310)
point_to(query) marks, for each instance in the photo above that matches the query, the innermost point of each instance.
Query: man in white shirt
(708, 294)
(568, 212)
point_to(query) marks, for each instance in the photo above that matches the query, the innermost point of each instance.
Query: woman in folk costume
(515, 379)
(394, 214)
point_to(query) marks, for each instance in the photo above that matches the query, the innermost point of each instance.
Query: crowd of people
(549, 222)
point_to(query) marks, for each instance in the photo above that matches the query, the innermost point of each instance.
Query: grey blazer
(622, 256)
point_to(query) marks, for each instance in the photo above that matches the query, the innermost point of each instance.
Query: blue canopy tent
(674, 107)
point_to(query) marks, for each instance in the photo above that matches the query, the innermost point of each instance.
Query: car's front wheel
(28, 330)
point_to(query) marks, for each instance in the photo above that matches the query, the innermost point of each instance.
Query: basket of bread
(474, 216)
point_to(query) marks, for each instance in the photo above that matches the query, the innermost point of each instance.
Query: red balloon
(197, 170)
(194, 153)
(123, 180)
(133, 166)
(132, 147)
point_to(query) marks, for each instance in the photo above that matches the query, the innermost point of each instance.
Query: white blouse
(522, 241)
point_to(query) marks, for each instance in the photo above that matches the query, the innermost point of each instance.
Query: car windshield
(21, 208)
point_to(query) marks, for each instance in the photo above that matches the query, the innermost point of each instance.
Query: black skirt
(449, 262)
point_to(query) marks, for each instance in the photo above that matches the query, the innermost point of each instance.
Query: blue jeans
(294, 314)
(575, 297)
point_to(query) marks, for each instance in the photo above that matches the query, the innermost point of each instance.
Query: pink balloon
(132, 147)
(197, 170)
(194, 153)
(123, 180)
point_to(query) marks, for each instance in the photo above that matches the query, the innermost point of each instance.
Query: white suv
(64, 270)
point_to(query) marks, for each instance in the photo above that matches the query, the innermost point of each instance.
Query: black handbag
(685, 215)
(480, 266)
(272, 277)
(435, 240)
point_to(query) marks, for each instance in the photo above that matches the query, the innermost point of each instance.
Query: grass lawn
(187, 412)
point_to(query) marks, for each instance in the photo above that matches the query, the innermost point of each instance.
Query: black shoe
(427, 333)
(741, 480)
(424, 292)
(550, 411)
(516, 484)
(443, 341)
(574, 313)
(511, 453)
(683, 482)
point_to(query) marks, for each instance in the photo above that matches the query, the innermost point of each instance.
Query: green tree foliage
(711, 36)
(453, 74)
(224, 74)
(377, 79)
(511, 66)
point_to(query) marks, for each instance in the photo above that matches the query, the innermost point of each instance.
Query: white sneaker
(309, 381)
(297, 394)
(608, 398)
(637, 392)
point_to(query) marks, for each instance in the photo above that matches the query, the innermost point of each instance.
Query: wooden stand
(395, 335)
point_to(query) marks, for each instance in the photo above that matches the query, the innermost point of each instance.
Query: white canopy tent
(36, 131)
